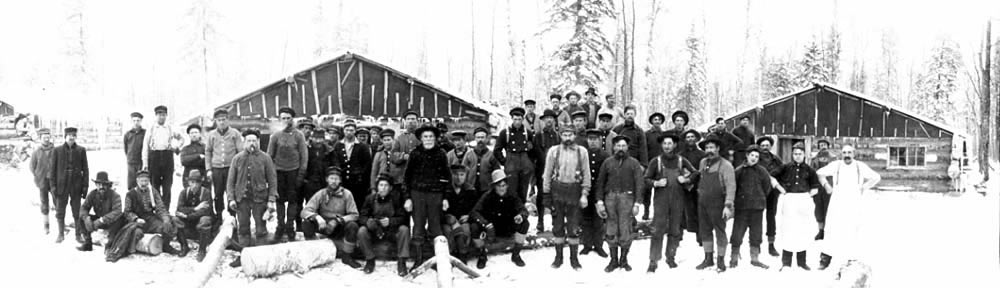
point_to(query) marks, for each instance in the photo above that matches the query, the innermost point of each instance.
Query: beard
(567, 142)
(619, 154)
(712, 154)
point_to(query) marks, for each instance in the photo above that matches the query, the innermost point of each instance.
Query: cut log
(207, 267)
(444, 262)
(150, 244)
(300, 256)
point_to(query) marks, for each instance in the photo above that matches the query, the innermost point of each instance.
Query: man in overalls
(716, 193)
(668, 172)
(521, 153)
(567, 180)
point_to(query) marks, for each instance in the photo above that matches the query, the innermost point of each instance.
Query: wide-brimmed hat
(671, 136)
(716, 140)
(657, 114)
(682, 114)
(422, 129)
(697, 135)
(195, 175)
(102, 178)
(497, 176)
(548, 113)
(765, 138)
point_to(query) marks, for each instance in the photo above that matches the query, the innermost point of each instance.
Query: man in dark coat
(107, 206)
(591, 106)
(480, 162)
(460, 198)
(545, 138)
(193, 154)
(530, 117)
(592, 224)
(517, 153)
(41, 166)
(68, 181)
(680, 120)
(427, 178)
(354, 159)
(745, 133)
(653, 149)
(771, 163)
(499, 214)
(145, 206)
(315, 170)
(251, 188)
(618, 187)
(194, 214)
(728, 141)
(637, 137)
(693, 154)
(822, 199)
(133, 148)
(668, 173)
(384, 219)
(753, 186)
(457, 154)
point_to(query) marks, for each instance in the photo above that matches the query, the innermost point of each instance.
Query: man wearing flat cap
(745, 132)
(107, 207)
(605, 123)
(515, 149)
(592, 107)
(194, 214)
(380, 161)
(332, 212)
(41, 166)
(221, 145)
(592, 224)
(158, 147)
(68, 180)
(619, 200)
(382, 218)
(193, 154)
(801, 184)
(406, 141)
(545, 138)
(456, 154)
(822, 199)
(668, 173)
(133, 147)
(480, 162)
(252, 189)
(567, 180)
(562, 116)
(531, 118)
(753, 186)
(145, 206)
(290, 153)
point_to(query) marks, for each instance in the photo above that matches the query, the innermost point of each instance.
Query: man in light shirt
(158, 153)
(221, 144)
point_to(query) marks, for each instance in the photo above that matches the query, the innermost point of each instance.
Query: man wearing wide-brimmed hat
(667, 174)
(716, 194)
(545, 138)
(107, 206)
(194, 214)
(68, 180)
(499, 214)
(427, 178)
(41, 166)
(687, 147)
(821, 199)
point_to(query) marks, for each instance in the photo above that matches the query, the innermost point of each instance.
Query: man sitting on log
(460, 199)
(107, 205)
(194, 214)
(144, 206)
(385, 220)
(333, 212)
(500, 213)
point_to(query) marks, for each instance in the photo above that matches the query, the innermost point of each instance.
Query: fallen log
(300, 256)
(207, 267)
(151, 244)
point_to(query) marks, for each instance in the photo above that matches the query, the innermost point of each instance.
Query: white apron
(796, 221)
(844, 216)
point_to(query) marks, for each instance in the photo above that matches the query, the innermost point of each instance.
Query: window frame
(911, 152)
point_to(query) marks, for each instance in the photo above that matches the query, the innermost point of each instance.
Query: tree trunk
(472, 38)
(984, 126)
(493, 30)
(207, 267)
(299, 256)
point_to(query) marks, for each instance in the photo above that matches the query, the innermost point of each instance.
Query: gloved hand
(384, 222)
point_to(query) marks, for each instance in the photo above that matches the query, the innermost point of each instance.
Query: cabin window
(908, 156)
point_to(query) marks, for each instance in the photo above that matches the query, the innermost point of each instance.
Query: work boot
(754, 258)
(819, 236)
(671, 252)
(169, 249)
(62, 230)
(824, 261)
(623, 263)
(418, 256)
(613, 264)
(771, 250)
(347, 260)
(88, 245)
(599, 250)
(586, 250)
(369, 266)
(652, 267)
(515, 256)
(801, 258)
(184, 245)
(786, 260)
(204, 241)
(708, 262)
(45, 223)
(559, 256)
(79, 236)
(734, 258)
(720, 264)
(481, 262)
(574, 261)
(401, 267)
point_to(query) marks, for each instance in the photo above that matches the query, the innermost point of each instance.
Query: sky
(137, 47)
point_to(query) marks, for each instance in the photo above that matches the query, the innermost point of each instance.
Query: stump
(264, 261)
(150, 244)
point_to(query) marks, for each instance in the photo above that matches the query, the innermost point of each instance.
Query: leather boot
(720, 263)
(754, 258)
(801, 258)
(418, 256)
(167, 248)
(515, 256)
(62, 230)
(824, 261)
(481, 262)
(623, 263)
(586, 250)
(671, 253)
(401, 267)
(290, 231)
(236, 263)
(88, 245)
(652, 267)
(708, 262)
(734, 258)
(184, 244)
(786, 259)
(203, 241)
(574, 261)
(599, 250)
(613, 264)
(558, 261)
(820, 235)
(369, 266)
(347, 260)
(771, 250)
(45, 223)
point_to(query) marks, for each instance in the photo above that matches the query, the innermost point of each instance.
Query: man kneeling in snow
(499, 214)
(385, 220)
(107, 205)
(194, 214)
(332, 212)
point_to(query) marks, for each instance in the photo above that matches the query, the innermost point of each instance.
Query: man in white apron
(850, 179)
(795, 211)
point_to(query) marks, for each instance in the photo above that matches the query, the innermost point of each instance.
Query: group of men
(593, 167)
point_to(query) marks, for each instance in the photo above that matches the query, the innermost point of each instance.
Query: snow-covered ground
(915, 240)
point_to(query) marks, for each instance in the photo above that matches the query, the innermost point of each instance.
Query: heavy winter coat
(69, 170)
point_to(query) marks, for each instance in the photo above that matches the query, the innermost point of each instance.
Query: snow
(916, 240)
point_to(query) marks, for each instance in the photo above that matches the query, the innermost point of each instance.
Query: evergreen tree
(859, 78)
(812, 66)
(778, 78)
(939, 82)
(691, 96)
(199, 48)
(831, 55)
(886, 84)
(580, 60)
